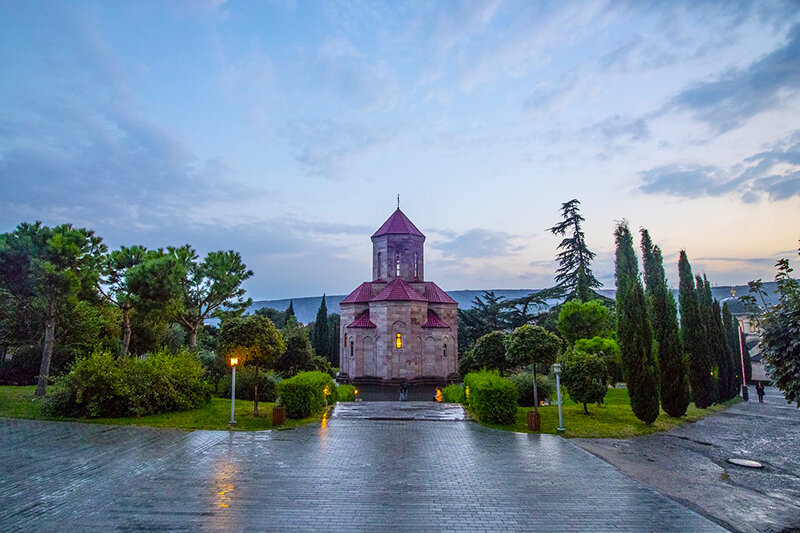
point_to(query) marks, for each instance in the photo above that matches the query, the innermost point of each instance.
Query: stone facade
(398, 326)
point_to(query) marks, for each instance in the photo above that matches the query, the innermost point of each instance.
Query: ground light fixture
(557, 370)
(234, 362)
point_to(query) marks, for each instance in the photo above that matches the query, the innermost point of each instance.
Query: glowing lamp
(234, 361)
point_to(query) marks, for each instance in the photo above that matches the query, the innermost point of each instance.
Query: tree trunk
(126, 329)
(255, 391)
(585, 410)
(535, 392)
(193, 338)
(47, 353)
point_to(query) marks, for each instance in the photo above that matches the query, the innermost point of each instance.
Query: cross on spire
(398, 201)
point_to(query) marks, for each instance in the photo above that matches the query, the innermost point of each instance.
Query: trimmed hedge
(347, 393)
(453, 393)
(245, 384)
(490, 397)
(102, 385)
(303, 394)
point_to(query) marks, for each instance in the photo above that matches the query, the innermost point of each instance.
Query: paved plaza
(351, 473)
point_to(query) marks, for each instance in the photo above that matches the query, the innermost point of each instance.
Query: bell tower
(398, 250)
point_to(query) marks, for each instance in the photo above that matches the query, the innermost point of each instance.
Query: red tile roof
(362, 321)
(434, 321)
(361, 295)
(436, 295)
(398, 290)
(398, 223)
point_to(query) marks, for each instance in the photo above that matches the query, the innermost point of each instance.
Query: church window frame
(444, 349)
(416, 266)
(379, 264)
(397, 264)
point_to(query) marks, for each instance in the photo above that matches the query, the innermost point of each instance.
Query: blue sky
(285, 129)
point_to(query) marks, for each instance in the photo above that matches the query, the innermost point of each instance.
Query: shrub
(453, 393)
(584, 320)
(490, 397)
(303, 394)
(347, 393)
(608, 349)
(245, 384)
(101, 385)
(584, 377)
(546, 387)
(23, 367)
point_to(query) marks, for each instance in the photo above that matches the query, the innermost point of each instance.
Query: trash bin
(534, 421)
(278, 415)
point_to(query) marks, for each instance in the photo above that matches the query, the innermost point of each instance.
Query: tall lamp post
(557, 370)
(745, 394)
(234, 362)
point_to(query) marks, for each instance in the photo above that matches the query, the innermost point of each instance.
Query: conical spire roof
(398, 224)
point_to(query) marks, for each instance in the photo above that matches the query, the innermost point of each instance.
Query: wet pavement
(690, 464)
(431, 411)
(346, 474)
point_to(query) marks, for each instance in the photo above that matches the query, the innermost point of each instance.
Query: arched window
(444, 350)
(397, 264)
(379, 264)
(416, 266)
(345, 340)
(399, 340)
(352, 353)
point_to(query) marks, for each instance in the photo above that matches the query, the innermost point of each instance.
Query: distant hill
(306, 308)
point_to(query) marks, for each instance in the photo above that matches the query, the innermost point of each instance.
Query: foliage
(488, 314)
(214, 367)
(737, 345)
(320, 336)
(489, 352)
(584, 320)
(532, 345)
(210, 288)
(634, 330)
(101, 385)
(453, 393)
(584, 376)
(245, 386)
(694, 337)
(255, 341)
(715, 344)
(304, 394)
(299, 355)
(490, 397)
(608, 349)
(672, 361)
(523, 381)
(574, 277)
(347, 393)
(780, 335)
(334, 327)
(23, 367)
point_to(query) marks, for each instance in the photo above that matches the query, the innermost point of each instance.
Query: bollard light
(557, 370)
(234, 361)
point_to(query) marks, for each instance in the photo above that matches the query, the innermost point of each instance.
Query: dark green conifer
(320, 337)
(693, 336)
(672, 361)
(634, 330)
(290, 309)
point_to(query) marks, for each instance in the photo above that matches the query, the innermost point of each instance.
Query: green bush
(584, 376)
(102, 385)
(245, 384)
(490, 397)
(303, 394)
(453, 393)
(545, 387)
(347, 393)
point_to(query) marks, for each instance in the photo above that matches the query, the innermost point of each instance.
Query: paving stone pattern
(350, 475)
(432, 411)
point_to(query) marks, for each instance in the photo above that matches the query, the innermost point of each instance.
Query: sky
(285, 130)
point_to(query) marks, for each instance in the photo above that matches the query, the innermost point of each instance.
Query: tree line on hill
(636, 338)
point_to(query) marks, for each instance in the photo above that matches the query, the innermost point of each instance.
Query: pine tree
(574, 276)
(693, 335)
(320, 337)
(672, 360)
(634, 330)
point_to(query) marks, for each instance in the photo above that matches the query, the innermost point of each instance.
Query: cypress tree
(334, 324)
(725, 356)
(634, 330)
(320, 337)
(708, 341)
(732, 336)
(290, 310)
(693, 336)
(672, 361)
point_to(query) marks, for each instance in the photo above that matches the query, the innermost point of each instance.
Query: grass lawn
(612, 419)
(19, 402)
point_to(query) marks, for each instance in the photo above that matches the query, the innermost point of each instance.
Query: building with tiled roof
(398, 326)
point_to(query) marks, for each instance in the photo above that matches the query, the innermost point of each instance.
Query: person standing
(760, 392)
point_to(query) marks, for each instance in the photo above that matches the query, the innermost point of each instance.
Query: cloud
(617, 128)
(478, 243)
(640, 53)
(774, 173)
(726, 102)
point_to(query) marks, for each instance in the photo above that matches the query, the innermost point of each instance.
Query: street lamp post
(234, 362)
(557, 370)
(745, 394)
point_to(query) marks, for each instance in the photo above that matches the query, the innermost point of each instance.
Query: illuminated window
(416, 266)
(444, 350)
(397, 264)
(399, 341)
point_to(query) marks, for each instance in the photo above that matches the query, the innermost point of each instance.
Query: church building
(398, 326)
